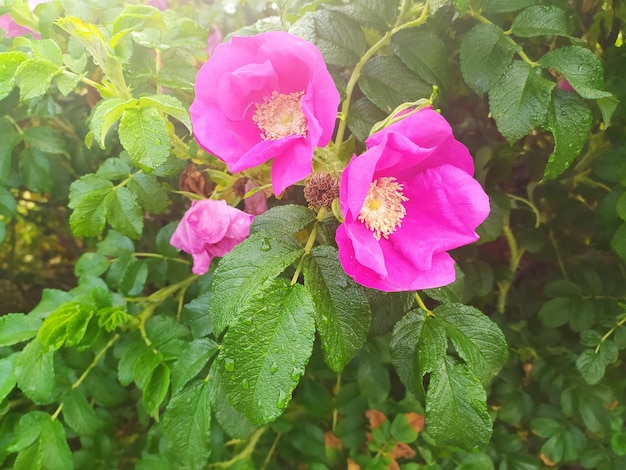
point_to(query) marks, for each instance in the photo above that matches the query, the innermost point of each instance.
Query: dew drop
(282, 400)
(245, 384)
(158, 142)
(229, 364)
(275, 350)
(342, 282)
(324, 319)
(295, 374)
(273, 368)
(248, 321)
(265, 245)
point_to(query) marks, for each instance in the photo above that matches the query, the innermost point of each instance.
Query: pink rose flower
(208, 229)
(264, 97)
(563, 84)
(13, 29)
(407, 200)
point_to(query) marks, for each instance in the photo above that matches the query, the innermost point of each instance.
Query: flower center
(383, 208)
(281, 116)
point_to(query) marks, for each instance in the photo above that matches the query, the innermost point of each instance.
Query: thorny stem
(84, 375)
(356, 73)
(309, 244)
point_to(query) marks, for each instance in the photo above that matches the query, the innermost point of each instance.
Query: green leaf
(370, 13)
(149, 192)
(87, 199)
(591, 366)
(7, 376)
(503, 6)
(540, 21)
(10, 139)
(362, 115)
(78, 413)
(124, 212)
(476, 338)
(485, 56)
(34, 168)
(67, 83)
(106, 113)
(582, 69)
(29, 458)
(618, 242)
(264, 353)
(67, 324)
(9, 64)
(192, 360)
(114, 169)
(115, 244)
(342, 312)
(91, 263)
(401, 430)
(143, 134)
(28, 429)
(287, 219)
(49, 50)
(17, 327)
(388, 83)
(187, 425)
(8, 204)
(55, 452)
(156, 388)
(556, 312)
(169, 105)
(46, 139)
(387, 308)
(34, 372)
(339, 38)
(34, 77)
(242, 271)
(425, 53)
(519, 100)
(456, 409)
(618, 443)
(194, 315)
(109, 318)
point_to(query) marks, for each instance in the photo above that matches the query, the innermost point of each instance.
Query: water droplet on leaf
(282, 400)
(229, 364)
(273, 368)
(265, 245)
(245, 384)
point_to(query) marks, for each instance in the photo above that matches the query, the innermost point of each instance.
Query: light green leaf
(485, 55)
(34, 77)
(569, 119)
(67, 324)
(9, 63)
(109, 318)
(388, 83)
(143, 134)
(8, 204)
(401, 429)
(106, 113)
(192, 360)
(53, 447)
(28, 429)
(48, 50)
(67, 82)
(78, 413)
(114, 169)
(242, 271)
(542, 20)
(87, 199)
(10, 139)
(7, 376)
(91, 263)
(169, 105)
(149, 192)
(519, 100)
(34, 372)
(582, 69)
(342, 312)
(29, 458)
(187, 425)
(17, 327)
(265, 351)
(456, 407)
(124, 212)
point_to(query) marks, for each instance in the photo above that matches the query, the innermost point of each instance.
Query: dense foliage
(114, 355)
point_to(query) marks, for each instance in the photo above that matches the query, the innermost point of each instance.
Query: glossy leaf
(143, 133)
(17, 327)
(540, 21)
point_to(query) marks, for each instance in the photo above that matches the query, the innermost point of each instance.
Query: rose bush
(208, 229)
(407, 201)
(265, 97)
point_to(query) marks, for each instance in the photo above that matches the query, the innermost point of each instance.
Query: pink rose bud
(563, 84)
(406, 201)
(265, 97)
(208, 229)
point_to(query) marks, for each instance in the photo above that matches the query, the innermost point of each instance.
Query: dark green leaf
(591, 366)
(195, 315)
(388, 83)
(519, 100)
(540, 21)
(582, 69)
(242, 271)
(78, 413)
(124, 212)
(8, 204)
(34, 169)
(265, 351)
(456, 409)
(486, 54)
(503, 6)
(387, 308)
(342, 313)
(424, 52)
(46, 139)
(143, 134)
(370, 13)
(10, 139)
(34, 372)
(288, 219)
(17, 327)
(187, 425)
(87, 199)
(362, 115)
(133, 278)
(156, 388)
(149, 192)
